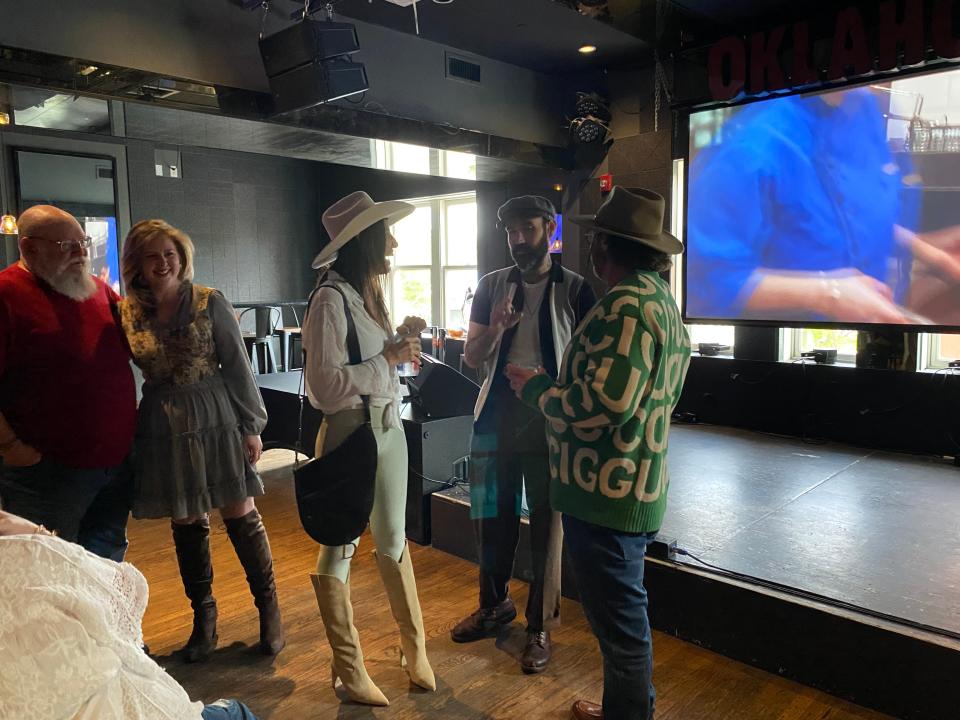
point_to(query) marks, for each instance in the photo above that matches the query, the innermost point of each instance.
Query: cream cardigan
(332, 383)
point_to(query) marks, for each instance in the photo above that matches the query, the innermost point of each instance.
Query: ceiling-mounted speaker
(316, 83)
(309, 63)
(305, 42)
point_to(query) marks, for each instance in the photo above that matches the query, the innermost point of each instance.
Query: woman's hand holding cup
(405, 349)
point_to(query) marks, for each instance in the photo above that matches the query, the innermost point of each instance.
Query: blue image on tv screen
(104, 249)
(556, 240)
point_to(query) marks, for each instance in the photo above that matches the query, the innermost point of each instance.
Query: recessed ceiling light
(587, 49)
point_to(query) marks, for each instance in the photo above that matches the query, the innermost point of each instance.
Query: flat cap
(526, 206)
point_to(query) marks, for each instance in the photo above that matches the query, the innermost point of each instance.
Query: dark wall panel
(253, 218)
(492, 251)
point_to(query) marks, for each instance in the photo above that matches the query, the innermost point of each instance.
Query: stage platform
(875, 529)
(841, 565)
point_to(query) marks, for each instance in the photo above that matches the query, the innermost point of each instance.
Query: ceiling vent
(459, 68)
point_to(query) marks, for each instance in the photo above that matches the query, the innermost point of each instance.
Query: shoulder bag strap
(353, 346)
(353, 351)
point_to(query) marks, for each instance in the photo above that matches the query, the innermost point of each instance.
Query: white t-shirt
(525, 348)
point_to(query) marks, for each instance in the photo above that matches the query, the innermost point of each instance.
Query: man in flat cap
(524, 315)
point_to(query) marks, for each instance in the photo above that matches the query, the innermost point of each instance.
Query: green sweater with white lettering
(608, 414)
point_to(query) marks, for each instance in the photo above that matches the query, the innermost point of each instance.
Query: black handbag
(335, 492)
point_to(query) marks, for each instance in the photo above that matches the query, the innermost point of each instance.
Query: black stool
(263, 337)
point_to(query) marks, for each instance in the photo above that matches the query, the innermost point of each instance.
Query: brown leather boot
(536, 654)
(484, 623)
(586, 710)
(249, 538)
(192, 543)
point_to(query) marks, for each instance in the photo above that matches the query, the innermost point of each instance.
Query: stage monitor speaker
(316, 83)
(443, 392)
(306, 42)
(435, 448)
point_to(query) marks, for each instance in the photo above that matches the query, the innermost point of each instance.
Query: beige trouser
(388, 518)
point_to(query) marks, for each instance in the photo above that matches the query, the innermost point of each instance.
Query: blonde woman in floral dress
(198, 432)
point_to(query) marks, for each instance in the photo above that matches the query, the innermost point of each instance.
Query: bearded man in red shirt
(67, 395)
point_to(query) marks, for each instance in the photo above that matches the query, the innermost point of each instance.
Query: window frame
(790, 346)
(438, 267)
(928, 349)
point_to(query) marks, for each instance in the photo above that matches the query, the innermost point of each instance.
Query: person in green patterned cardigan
(608, 420)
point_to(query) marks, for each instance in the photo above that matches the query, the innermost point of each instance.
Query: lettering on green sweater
(609, 412)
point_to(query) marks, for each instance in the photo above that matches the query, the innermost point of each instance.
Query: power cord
(816, 597)
(447, 484)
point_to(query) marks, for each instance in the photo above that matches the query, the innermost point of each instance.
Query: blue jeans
(85, 506)
(608, 566)
(227, 710)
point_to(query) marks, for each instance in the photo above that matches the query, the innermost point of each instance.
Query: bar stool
(263, 337)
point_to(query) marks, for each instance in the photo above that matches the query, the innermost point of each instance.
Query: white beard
(74, 282)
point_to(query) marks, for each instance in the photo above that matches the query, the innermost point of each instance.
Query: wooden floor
(480, 680)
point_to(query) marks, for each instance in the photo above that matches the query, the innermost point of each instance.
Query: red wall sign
(754, 65)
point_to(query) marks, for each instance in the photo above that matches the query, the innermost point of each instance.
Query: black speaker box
(440, 391)
(306, 42)
(434, 447)
(316, 83)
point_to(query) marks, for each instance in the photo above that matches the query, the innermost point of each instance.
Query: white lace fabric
(71, 639)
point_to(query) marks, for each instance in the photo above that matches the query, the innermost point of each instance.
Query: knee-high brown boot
(333, 597)
(249, 538)
(402, 592)
(196, 570)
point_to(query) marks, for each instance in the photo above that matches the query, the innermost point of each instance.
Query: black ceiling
(544, 35)
(740, 16)
(539, 34)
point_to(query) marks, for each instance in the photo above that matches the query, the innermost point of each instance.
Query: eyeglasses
(68, 245)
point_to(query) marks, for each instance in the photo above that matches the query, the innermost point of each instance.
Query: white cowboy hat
(349, 216)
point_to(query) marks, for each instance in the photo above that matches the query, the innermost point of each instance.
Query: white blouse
(332, 383)
(71, 640)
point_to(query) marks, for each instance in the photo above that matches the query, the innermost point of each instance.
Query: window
(409, 284)
(401, 157)
(458, 164)
(717, 334)
(435, 266)
(796, 341)
(388, 155)
(937, 351)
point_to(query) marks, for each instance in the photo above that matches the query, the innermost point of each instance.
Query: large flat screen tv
(833, 209)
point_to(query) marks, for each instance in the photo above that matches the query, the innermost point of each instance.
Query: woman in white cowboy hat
(358, 258)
